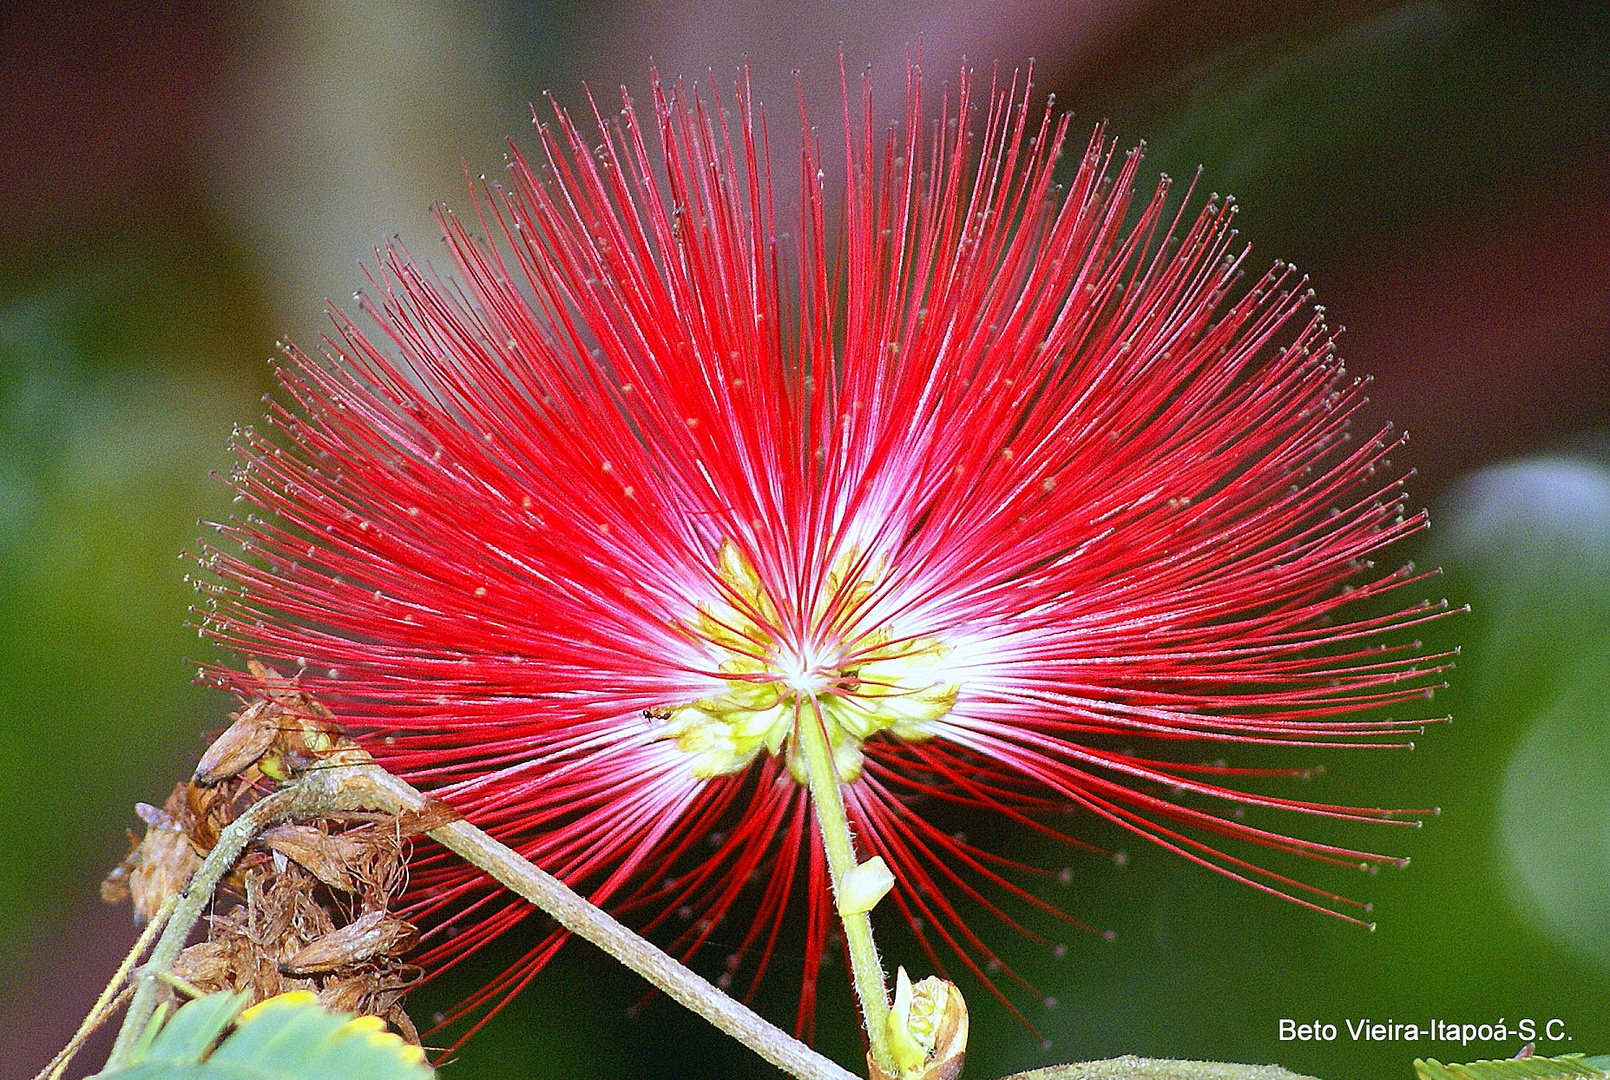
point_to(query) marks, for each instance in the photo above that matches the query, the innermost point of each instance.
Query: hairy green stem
(197, 895)
(871, 989)
(111, 997)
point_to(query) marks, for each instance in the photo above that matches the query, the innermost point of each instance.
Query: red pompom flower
(992, 479)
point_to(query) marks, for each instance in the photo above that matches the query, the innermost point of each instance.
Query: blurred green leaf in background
(114, 408)
(1535, 537)
(120, 379)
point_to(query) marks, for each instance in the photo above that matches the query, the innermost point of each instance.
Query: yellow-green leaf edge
(291, 1037)
(1567, 1067)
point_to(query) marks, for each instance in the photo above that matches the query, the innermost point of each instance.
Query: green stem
(197, 895)
(865, 967)
(113, 996)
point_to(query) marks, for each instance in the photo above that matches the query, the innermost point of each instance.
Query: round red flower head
(994, 482)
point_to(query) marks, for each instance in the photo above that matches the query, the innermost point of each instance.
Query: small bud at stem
(927, 1029)
(864, 886)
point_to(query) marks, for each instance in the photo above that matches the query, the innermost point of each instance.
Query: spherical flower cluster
(1014, 488)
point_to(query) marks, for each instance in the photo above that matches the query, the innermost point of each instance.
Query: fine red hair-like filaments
(1051, 429)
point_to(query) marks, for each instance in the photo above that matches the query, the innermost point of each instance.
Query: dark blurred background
(184, 183)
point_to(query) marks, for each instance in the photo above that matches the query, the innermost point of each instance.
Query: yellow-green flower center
(854, 681)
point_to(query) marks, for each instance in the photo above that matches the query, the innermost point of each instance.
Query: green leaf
(291, 1037)
(1533, 1068)
(195, 1028)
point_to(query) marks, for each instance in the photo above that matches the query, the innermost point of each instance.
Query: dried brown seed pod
(283, 912)
(282, 732)
(328, 858)
(345, 995)
(240, 746)
(371, 935)
(374, 990)
(210, 965)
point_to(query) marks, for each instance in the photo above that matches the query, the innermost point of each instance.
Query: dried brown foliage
(177, 837)
(312, 913)
(308, 906)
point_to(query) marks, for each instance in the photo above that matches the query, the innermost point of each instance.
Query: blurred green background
(184, 183)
